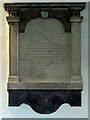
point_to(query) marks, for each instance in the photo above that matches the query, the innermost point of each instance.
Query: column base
(13, 79)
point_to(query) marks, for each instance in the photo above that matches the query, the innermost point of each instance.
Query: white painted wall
(24, 111)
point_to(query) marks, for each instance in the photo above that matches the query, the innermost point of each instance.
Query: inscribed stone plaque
(45, 51)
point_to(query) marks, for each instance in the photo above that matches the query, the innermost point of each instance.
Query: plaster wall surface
(24, 111)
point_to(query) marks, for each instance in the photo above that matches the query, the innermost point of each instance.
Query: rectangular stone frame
(14, 20)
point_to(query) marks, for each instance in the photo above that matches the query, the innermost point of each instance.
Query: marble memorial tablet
(45, 51)
(44, 55)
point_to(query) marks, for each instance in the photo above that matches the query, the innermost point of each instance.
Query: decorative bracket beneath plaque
(51, 75)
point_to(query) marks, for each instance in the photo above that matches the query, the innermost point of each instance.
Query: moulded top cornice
(19, 6)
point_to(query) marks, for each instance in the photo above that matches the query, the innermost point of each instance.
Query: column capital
(77, 19)
(13, 19)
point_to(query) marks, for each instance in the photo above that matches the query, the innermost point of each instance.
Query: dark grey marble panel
(45, 101)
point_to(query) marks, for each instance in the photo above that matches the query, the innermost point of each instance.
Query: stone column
(13, 48)
(76, 46)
